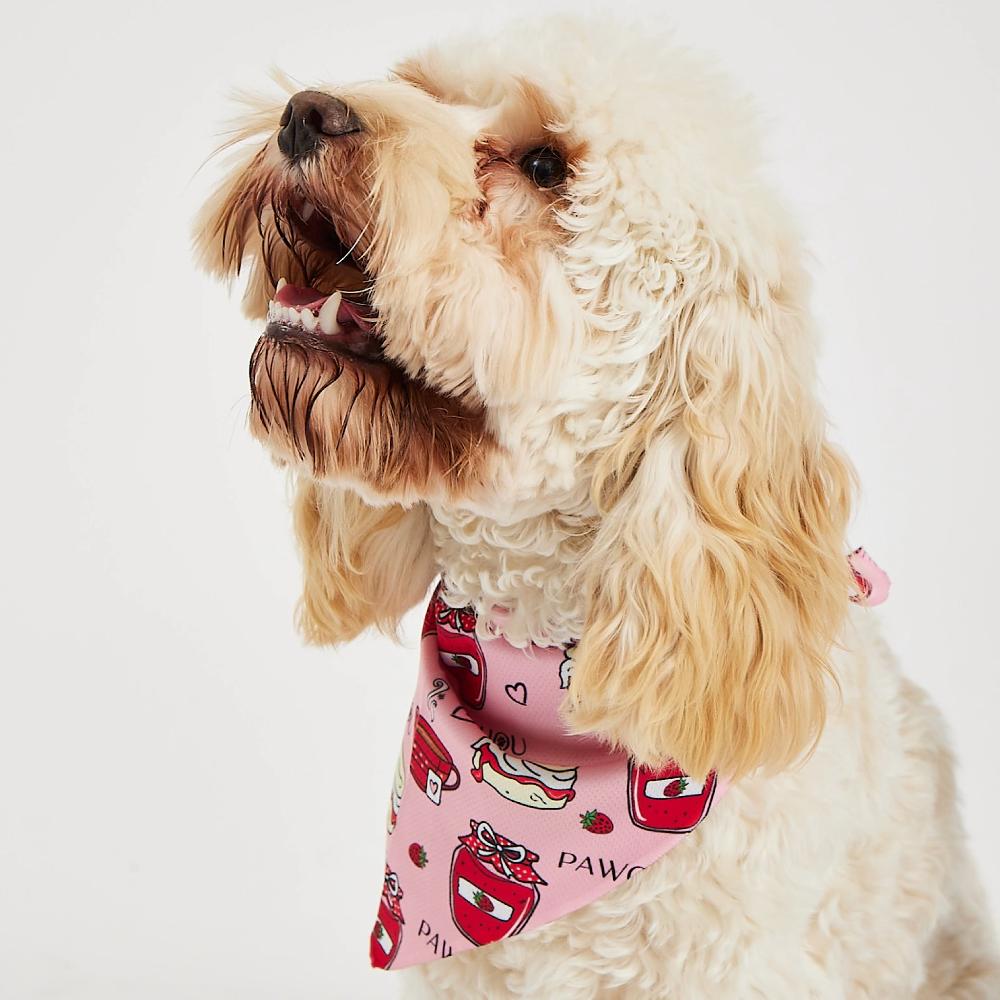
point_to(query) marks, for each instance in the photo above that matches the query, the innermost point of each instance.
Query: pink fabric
(499, 820)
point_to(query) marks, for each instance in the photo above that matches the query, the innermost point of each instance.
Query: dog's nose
(311, 116)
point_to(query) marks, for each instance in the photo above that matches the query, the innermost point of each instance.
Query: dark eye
(544, 166)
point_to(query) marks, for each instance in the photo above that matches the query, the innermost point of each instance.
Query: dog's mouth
(333, 312)
(323, 321)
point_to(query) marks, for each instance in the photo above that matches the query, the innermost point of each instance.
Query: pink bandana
(498, 819)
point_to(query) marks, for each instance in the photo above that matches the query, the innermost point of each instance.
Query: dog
(537, 325)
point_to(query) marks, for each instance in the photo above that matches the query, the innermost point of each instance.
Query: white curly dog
(545, 332)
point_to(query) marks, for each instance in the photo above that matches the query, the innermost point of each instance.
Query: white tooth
(328, 315)
(309, 319)
(281, 284)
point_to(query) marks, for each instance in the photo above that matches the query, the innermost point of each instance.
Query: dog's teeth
(309, 319)
(281, 284)
(328, 315)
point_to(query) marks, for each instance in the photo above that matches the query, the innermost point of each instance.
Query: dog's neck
(518, 576)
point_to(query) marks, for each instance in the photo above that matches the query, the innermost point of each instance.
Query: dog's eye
(544, 166)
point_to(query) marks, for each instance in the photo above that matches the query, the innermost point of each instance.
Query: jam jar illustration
(494, 885)
(666, 799)
(459, 650)
(431, 764)
(462, 656)
(388, 930)
(431, 614)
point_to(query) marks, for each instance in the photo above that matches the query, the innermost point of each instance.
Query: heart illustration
(517, 693)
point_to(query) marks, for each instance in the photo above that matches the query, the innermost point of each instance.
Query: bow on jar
(392, 893)
(460, 619)
(510, 859)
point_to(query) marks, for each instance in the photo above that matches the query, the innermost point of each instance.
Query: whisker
(351, 248)
(295, 399)
(362, 382)
(315, 452)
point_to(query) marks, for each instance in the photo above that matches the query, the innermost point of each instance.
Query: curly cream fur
(635, 458)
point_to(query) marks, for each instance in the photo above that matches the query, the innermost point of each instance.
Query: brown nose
(311, 116)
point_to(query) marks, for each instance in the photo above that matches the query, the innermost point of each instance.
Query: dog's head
(541, 274)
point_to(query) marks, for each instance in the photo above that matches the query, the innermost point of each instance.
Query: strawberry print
(388, 930)
(596, 822)
(418, 855)
(494, 885)
(666, 799)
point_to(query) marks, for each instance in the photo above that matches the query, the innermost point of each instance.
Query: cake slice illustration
(494, 885)
(522, 781)
(666, 799)
(388, 930)
(431, 764)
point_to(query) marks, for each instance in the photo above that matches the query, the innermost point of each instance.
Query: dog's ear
(718, 578)
(363, 566)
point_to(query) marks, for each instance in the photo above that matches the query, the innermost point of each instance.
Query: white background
(191, 803)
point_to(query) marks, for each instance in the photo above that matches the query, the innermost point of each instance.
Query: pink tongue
(299, 296)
